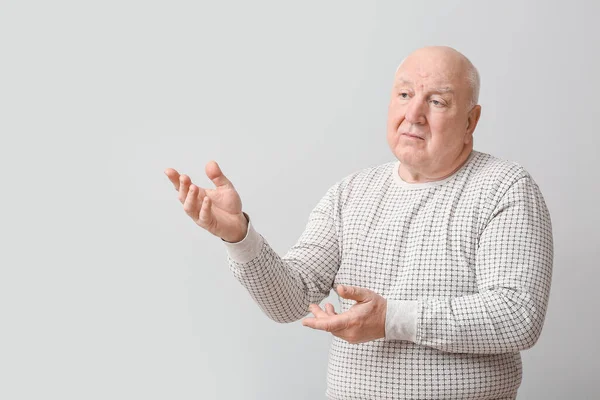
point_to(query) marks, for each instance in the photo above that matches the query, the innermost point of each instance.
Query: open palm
(217, 210)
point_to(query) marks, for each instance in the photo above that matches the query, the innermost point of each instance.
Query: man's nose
(415, 113)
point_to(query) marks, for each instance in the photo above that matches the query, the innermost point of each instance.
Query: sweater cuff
(246, 249)
(401, 320)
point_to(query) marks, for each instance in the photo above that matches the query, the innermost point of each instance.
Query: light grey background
(108, 290)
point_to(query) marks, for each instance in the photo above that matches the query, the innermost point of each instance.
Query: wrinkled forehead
(432, 70)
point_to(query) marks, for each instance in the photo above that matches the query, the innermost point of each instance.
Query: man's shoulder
(361, 181)
(369, 175)
(496, 176)
(488, 167)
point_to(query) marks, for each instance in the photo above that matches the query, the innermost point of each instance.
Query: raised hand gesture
(217, 210)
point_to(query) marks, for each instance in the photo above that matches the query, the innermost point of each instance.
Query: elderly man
(442, 259)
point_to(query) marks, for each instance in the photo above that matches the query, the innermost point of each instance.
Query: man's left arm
(514, 271)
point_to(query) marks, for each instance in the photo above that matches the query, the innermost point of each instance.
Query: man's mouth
(411, 135)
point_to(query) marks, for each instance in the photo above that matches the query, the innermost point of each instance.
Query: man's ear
(473, 118)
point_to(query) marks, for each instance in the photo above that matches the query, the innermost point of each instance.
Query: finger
(329, 309)
(316, 310)
(205, 217)
(184, 186)
(201, 193)
(354, 292)
(173, 176)
(328, 324)
(192, 204)
(214, 173)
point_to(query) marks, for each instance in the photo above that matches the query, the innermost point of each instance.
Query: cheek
(444, 131)
(395, 115)
(392, 128)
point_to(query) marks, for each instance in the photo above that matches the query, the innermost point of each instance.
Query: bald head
(433, 113)
(451, 62)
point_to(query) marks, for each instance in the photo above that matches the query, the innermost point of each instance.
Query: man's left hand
(363, 322)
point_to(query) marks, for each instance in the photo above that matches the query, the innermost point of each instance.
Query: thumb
(354, 293)
(214, 173)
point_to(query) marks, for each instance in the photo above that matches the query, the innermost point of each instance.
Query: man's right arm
(283, 287)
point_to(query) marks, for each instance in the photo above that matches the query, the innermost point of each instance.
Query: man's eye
(437, 103)
(404, 95)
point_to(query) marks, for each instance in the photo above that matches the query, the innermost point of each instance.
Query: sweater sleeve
(283, 287)
(514, 270)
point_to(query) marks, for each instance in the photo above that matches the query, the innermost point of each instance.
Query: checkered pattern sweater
(465, 264)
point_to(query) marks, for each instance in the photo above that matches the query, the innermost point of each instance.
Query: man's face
(427, 126)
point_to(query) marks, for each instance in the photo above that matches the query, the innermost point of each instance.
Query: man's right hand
(218, 210)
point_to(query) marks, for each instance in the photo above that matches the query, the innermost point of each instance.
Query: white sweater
(465, 264)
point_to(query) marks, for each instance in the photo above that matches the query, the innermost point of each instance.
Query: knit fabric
(465, 264)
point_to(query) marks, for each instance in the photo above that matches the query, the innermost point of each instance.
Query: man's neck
(411, 175)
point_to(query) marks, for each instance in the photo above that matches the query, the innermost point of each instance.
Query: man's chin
(411, 158)
(404, 151)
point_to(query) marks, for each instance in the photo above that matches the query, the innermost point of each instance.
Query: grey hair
(473, 79)
(474, 83)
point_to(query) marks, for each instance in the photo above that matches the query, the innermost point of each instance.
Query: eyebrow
(445, 89)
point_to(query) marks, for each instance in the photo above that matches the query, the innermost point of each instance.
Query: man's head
(433, 112)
